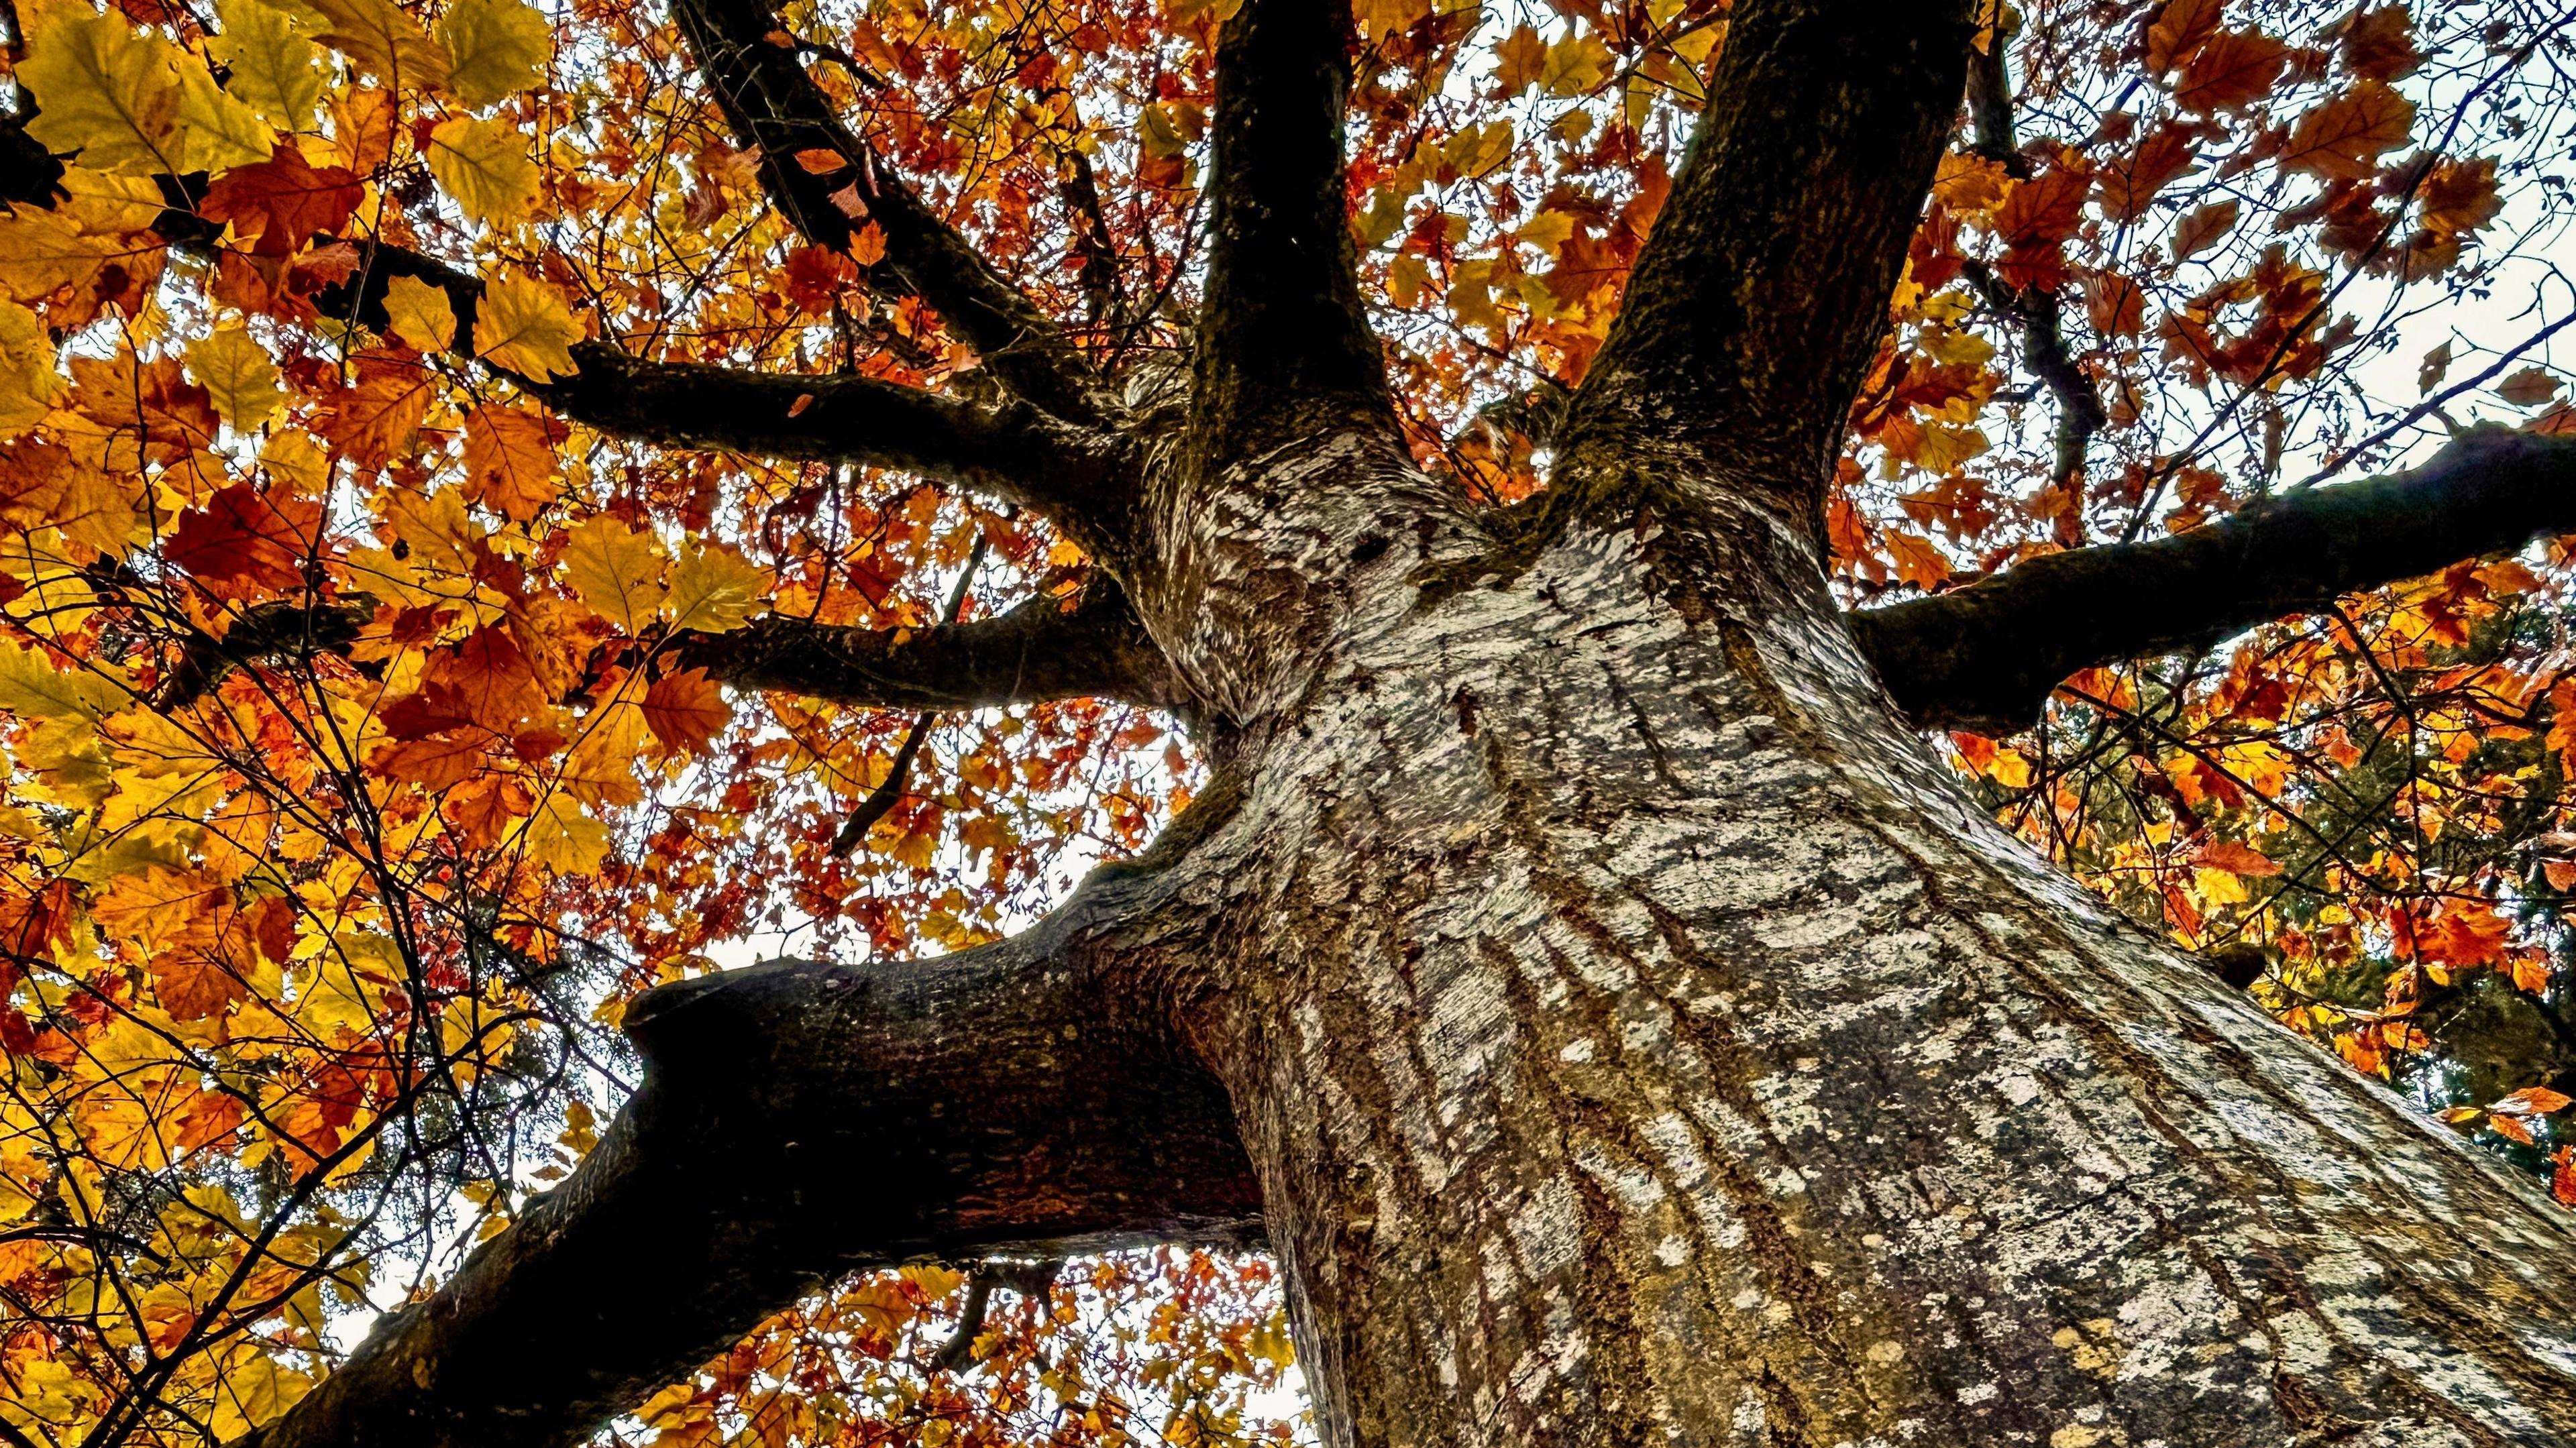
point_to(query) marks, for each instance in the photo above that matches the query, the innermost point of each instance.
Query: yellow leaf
(1548, 231)
(32, 688)
(494, 47)
(276, 71)
(420, 314)
(1575, 65)
(383, 42)
(238, 375)
(521, 324)
(563, 839)
(28, 382)
(106, 92)
(217, 132)
(616, 570)
(485, 166)
(714, 589)
(1521, 55)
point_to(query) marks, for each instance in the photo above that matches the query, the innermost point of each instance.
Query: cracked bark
(1625, 1030)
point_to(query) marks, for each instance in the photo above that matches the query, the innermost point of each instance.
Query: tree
(1571, 963)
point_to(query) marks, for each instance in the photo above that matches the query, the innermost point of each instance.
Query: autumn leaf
(383, 42)
(272, 67)
(616, 570)
(420, 314)
(283, 202)
(2529, 387)
(523, 325)
(2202, 227)
(686, 711)
(485, 166)
(714, 589)
(28, 382)
(239, 377)
(2177, 30)
(494, 48)
(2343, 137)
(131, 103)
(2231, 71)
(243, 539)
(510, 459)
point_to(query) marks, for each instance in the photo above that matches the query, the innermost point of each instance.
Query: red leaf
(281, 203)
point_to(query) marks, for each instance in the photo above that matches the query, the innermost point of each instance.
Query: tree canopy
(505, 504)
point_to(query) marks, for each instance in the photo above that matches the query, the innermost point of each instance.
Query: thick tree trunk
(1640, 1040)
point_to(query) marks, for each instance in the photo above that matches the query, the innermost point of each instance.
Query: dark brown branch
(2042, 320)
(1038, 651)
(1008, 448)
(1285, 351)
(1762, 292)
(1035, 652)
(758, 77)
(799, 1120)
(1987, 656)
(1028, 1279)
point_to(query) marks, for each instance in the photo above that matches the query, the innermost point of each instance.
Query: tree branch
(1285, 350)
(2042, 320)
(1008, 448)
(1987, 656)
(1033, 653)
(1754, 309)
(774, 104)
(798, 1120)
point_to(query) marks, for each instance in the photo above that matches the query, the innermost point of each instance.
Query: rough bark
(797, 1120)
(1987, 656)
(1642, 1040)
(1750, 318)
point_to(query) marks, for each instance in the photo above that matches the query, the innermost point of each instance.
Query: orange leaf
(821, 160)
(686, 711)
(2343, 138)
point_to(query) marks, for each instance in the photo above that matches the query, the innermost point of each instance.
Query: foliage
(315, 949)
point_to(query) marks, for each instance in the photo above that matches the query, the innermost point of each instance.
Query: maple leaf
(381, 41)
(28, 382)
(510, 459)
(1917, 561)
(714, 589)
(272, 67)
(686, 711)
(2380, 43)
(240, 379)
(283, 202)
(2529, 387)
(2177, 30)
(131, 103)
(372, 420)
(2128, 189)
(244, 539)
(523, 325)
(2343, 138)
(494, 48)
(2234, 69)
(616, 570)
(485, 166)
(420, 314)
(2202, 227)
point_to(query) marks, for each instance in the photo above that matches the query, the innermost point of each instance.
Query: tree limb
(1033, 653)
(759, 79)
(1762, 292)
(798, 1120)
(1008, 448)
(2042, 320)
(1987, 656)
(1285, 350)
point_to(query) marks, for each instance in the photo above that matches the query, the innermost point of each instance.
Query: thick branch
(1284, 349)
(798, 1120)
(1762, 292)
(1007, 448)
(758, 77)
(1035, 652)
(1987, 656)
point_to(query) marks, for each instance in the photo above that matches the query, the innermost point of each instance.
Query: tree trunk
(1640, 1039)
